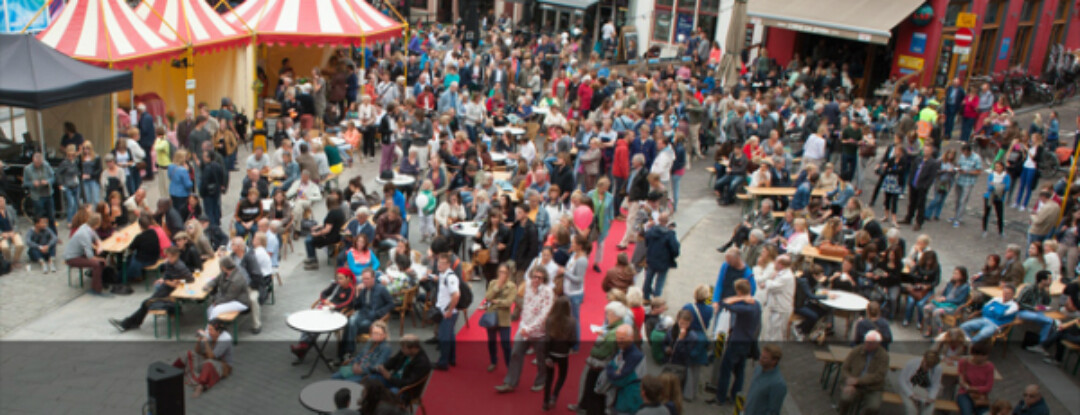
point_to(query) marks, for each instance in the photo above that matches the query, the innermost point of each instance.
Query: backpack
(465, 297)
(385, 130)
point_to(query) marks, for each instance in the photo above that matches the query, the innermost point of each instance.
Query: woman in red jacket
(969, 114)
(620, 169)
(584, 96)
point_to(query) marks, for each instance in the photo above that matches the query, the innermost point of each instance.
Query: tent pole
(11, 119)
(190, 75)
(41, 132)
(363, 55)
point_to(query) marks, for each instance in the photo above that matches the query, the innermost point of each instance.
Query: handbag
(434, 315)
(833, 250)
(482, 257)
(490, 319)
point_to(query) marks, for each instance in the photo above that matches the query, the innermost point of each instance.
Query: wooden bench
(154, 268)
(746, 201)
(168, 323)
(234, 318)
(940, 405)
(831, 369)
(712, 176)
(1070, 349)
(79, 271)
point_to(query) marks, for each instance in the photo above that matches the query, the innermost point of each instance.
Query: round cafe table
(498, 157)
(318, 397)
(514, 131)
(467, 230)
(848, 303)
(399, 180)
(318, 322)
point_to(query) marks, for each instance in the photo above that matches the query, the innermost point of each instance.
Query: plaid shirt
(968, 163)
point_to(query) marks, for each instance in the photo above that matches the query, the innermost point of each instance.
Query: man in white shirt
(257, 160)
(448, 296)
(526, 152)
(286, 147)
(303, 192)
(814, 149)
(778, 294)
(661, 166)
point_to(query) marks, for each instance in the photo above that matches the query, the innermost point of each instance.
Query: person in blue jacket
(996, 313)
(622, 371)
(731, 270)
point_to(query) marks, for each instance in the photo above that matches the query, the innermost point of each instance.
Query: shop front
(966, 38)
(856, 35)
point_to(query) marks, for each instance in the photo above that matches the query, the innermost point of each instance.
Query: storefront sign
(1004, 52)
(961, 50)
(918, 43)
(910, 62)
(967, 20)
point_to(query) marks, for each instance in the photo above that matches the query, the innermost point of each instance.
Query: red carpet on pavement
(470, 387)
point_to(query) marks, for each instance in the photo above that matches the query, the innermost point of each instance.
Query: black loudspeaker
(471, 17)
(165, 389)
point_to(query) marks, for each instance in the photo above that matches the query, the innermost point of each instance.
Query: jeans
(950, 120)
(447, 341)
(575, 309)
(868, 400)
(242, 232)
(212, 209)
(517, 360)
(966, 125)
(933, 210)
(133, 180)
(734, 361)
(979, 329)
(1032, 238)
(1027, 186)
(44, 206)
(91, 192)
(652, 288)
(161, 291)
(848, 164)
(36, 254)
(675, 179)
(963, 193)
(967, 406)
(135, 268)
(503, 333)
(916, 307)
(1046, 324)
(728, 185)
(71, 202)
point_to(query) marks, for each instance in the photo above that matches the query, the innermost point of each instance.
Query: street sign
(964, 36)
(966, 20)
(961, 50)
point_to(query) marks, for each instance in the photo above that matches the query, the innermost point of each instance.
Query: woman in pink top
(976, 378)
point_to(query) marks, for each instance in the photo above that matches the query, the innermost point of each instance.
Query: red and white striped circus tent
(108, 33)
(315, 22)
(194, 22)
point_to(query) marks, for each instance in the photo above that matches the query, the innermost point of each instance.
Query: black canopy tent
(36, 76)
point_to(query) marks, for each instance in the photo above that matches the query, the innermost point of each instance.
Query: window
(993, 12)
(419, 4)
(677, 19)
(1022, 42)
(986, 53)
(954, 8)
(662, 26)
(1062, 9)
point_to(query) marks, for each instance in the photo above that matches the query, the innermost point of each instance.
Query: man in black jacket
(211, 186)
(175, 274)
(924, 173)
(524, 242)
(405, 368)
(637, 190)
(371, 303)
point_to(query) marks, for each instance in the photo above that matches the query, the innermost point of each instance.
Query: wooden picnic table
(758, 192)
(276, 172)
(898, 360)
(501, 175)
(120, 240)
(813, 253)
(194, 291)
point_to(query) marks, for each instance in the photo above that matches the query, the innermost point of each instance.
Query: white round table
(498, 157)
(318, 322)
(318, 397)
(848, 303)
(399, 180)
(540, 110)
(510, 130)
(466, 229)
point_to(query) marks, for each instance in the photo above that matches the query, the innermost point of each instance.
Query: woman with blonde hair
(194, 230)
(90, 169)
(671, 396)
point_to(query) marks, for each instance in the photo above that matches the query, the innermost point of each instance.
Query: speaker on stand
(165, 389)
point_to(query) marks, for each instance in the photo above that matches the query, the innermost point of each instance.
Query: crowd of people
(598, 145)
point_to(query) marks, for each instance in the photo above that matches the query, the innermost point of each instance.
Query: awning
(570, 4)
(862, 20)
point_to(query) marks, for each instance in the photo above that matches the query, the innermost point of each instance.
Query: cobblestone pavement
(59, 354)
